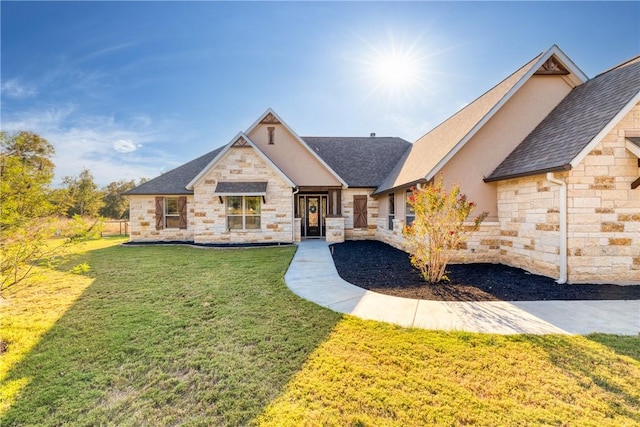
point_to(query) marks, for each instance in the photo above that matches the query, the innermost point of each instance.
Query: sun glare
(395, 69)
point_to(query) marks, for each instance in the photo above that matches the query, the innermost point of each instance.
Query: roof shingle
(575, 121)
(360, 161)
(175, 181)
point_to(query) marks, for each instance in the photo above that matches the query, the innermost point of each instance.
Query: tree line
(30, 206)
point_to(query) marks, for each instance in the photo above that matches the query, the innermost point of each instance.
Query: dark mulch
(381, 268)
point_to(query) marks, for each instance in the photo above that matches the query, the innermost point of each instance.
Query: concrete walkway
(313, 276)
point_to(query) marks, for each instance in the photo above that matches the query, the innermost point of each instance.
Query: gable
(574, 125)
(432, 151)
(240, 141)
(290, 153)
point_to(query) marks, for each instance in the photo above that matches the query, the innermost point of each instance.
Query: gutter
(563, 227)
(293, 215)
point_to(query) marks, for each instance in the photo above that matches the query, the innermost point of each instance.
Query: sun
(394, 69)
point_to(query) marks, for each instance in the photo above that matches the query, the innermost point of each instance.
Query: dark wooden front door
(314, 216)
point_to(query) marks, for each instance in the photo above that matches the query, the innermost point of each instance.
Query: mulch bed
(379, 267)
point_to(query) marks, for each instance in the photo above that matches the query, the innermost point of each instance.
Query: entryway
(312, 209)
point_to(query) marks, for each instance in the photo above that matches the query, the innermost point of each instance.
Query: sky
(134, 89)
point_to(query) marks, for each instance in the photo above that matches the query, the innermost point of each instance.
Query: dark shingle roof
(241, 187)
(635, 140)
(360, 161)
(567, 130)
(175, 181)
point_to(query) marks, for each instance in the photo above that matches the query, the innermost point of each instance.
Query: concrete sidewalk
(313, 276)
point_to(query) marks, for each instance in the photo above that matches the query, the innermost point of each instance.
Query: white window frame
(168, 215)
(244, 214)
(391, 203)
(409, 216)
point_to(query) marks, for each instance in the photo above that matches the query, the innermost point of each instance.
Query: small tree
(26, 216)
(438, 228)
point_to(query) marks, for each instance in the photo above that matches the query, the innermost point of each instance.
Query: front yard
(184, 336)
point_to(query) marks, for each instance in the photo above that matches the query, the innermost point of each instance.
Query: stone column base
(334, 229)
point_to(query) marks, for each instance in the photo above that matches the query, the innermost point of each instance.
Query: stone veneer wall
(529, 225)
(242, 164)
(481, 245)
(603, 216)
(351, 233)
(142, 211)
(335, 229)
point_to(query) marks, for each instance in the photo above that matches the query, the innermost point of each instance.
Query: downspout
(563, 226)
(293, 215)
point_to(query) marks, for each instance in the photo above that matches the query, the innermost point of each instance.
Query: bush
(438, 228)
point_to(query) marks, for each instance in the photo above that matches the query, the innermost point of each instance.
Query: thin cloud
(14, 89)
(109, 149)
(125, 146)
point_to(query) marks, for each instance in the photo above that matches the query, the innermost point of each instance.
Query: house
(551, 155)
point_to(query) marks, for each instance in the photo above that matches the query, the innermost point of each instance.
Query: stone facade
(481, 245)
(603, 215)
(142, 214)
(335, 229)
(242, 164)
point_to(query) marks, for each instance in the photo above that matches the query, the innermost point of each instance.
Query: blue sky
(133, 89)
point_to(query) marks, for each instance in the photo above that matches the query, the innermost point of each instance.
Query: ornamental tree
(438, 228)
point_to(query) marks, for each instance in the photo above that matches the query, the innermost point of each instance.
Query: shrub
(438, 228)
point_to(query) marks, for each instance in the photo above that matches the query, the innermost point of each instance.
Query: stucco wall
(500, 136)
(292, 157)
(242, 164)
(142, 211)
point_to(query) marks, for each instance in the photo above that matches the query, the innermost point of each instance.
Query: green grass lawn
(185, 336)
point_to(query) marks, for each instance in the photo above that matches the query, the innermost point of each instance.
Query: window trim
(166, 215)
(407, 209)
(244, 215)
(161, 206)
(391, 208)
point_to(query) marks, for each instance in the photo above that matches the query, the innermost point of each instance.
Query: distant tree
(83, 195)
(26, 216)
(116, 205)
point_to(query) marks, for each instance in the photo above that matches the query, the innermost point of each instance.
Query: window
(243, 212)
(392, 209)
(171, 212)
(410, 214)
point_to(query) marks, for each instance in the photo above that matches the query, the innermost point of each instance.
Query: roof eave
(561, 168)
(397, 187)
(606, 129)
(226, 148)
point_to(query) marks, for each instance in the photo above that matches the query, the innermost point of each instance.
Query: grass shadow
(168, 335)
(596, 366)
(623, 345)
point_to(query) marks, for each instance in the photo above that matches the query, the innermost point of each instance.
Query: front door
(314, 216)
